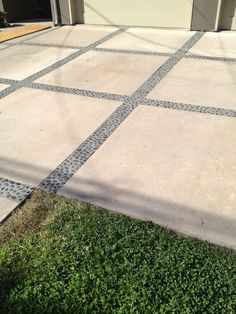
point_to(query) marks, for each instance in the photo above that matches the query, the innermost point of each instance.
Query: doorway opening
(27, 10)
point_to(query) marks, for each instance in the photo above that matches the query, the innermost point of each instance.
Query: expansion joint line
(16, 191)
(82, 153)
(58, 64)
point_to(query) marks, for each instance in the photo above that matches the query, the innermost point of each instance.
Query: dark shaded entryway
(27, 9)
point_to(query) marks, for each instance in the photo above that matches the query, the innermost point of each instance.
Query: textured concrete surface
(78, 35)
(222, 44)
(199, 82)
(41, 128)
(3, 46)
(149, 39)
(6, 207)
(174, 167)
(106, 72)
(164, 166)
(18, 62)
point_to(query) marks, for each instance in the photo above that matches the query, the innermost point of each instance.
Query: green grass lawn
(61, 256)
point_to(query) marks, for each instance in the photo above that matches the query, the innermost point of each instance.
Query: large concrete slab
(6, 207)
(199, 82)
(106, 72)
(18, 62)
(3, 86)
(39, 129)
(222, 44)
(175, 168)
(149, 39)
(78, 35)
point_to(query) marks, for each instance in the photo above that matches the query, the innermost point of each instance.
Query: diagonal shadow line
(122, 113)
(207, 224)
(105, 18)
(14, 191)
(50, 45)
(100, 14)
(11, 168)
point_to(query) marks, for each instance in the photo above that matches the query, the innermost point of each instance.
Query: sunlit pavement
(137, 120)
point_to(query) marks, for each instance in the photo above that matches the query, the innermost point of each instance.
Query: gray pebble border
(81, 154)
(134, 52)
(17, 191)
(58, 64)
(77, 91)
(116, 97)
(8, 81)
(200, 57)
(125, 51)
(50, 45)
(190, 107)
(14, 191)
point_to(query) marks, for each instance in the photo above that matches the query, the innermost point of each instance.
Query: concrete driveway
(138, 120)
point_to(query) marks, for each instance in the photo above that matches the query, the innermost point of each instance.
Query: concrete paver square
(222, 44)
(39, 129)
(78, 35)
(149, 39)
(3, 86)
(6, 207)
(18, 62)
(173, 167)
(199, 82)
(105, 72)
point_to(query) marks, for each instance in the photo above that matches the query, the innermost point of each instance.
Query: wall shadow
(227, 14)
(212, 224)
(204, 223)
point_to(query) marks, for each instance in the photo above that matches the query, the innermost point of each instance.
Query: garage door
(160, 13)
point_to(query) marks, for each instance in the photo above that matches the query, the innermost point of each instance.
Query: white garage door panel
(161, 13)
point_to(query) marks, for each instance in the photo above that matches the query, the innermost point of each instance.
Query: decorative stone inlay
(14, 191)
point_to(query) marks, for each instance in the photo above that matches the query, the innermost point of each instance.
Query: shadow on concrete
(24, 172)
(227, 14)
(209, 224)
(203, 223)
